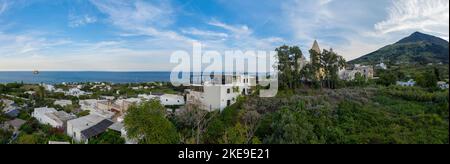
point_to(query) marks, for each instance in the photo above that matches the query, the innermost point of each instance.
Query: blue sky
(141, 35)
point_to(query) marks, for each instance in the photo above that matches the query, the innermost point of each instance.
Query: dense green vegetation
(321, 71)
(34, 133)
(358, 115)
(108, 137)
(364, 116)
(148, 124)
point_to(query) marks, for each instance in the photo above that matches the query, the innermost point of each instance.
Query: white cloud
(3, 6)
(324, 2)
(431, 16)
(26, 44)
(77, 21)
(354, 28)
(138, 17)
(204, 33)
(238, 31)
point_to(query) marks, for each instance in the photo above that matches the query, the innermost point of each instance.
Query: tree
(41, 92)
(28, 139)
(359, 80)
(315, 66)
(235, 135)
(147, 124)
(251, 121)
(437, 73)
(308, 74)
(214, 131)
(196, 120)
(387, 78)
(108, 137)
(5, 135)
(428, 79)
(289, 66)
(83, 113)
(330, 62)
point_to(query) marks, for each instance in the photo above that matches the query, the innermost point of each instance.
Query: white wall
(41, 115)
(168, 99)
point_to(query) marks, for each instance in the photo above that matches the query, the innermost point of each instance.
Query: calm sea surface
(59, 77)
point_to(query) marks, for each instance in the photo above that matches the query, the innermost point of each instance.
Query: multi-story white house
(52, 117)
(218, 93)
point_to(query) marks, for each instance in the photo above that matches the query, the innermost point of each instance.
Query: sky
(141, 35)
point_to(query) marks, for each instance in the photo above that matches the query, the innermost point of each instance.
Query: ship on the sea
(35, 72)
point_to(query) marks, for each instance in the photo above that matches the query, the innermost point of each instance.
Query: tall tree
(197, 120)
(251, 121)
(289, 66)
(331, 63)
(147, 123)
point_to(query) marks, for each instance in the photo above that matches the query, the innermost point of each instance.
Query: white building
(99, 107)
(50, 116)
(48, 87)
(409, 83)
(59, 90)
(30, 92)
(110, 98)
(381, 66)
(170, 99)
(165, 99)
(217, 94)
(76, 92)
(63, 103)
(366, 71)
(443, 85)
(10, 108)
(147, 96)
(83, 128)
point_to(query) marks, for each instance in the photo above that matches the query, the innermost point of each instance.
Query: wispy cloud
(421, 15)
(141, 34)
(3, 6)
(80, 20)
(26, 44)
(204, 33)
(237, 31)
(138, 17)
(367, 26)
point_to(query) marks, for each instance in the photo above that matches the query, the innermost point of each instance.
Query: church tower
(315, 59)
(315, 53)
(316, 47)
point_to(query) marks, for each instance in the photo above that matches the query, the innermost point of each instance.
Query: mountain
(417, 48)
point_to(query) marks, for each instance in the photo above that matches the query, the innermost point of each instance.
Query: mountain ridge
(416, 48)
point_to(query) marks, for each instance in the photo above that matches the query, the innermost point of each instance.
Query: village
(84, 110)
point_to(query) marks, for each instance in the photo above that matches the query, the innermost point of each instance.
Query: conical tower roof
(316, 47)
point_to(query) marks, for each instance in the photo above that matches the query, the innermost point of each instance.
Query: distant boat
(35, 72)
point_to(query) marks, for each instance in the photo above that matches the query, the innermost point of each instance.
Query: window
(228, 90)
(228, 102)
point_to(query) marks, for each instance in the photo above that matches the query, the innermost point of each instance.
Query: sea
(77, 77)
(50, 77)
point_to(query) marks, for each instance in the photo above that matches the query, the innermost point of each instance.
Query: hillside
(417, 48)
